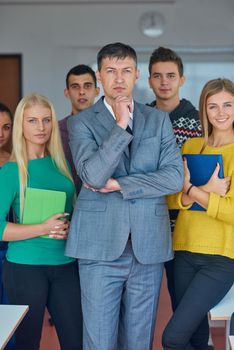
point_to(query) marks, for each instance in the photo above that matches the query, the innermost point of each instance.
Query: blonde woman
(204, 240)
(36, 272)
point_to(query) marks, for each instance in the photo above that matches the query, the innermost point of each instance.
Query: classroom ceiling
(203, 26)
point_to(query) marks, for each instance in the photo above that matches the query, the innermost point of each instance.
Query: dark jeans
(3, 297)
(38, 286)
(169, 267)
(201, 281)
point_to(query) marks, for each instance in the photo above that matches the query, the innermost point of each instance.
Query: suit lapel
(138, 127)
(106, 119)
(104, 116)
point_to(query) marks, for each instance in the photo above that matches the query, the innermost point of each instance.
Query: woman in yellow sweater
(204, 240)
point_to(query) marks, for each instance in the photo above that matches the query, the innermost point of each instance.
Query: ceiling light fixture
(152, 24)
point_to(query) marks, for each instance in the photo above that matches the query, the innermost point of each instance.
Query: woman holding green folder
(36, 272)
(204, 240)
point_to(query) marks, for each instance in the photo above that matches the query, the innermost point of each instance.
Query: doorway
(10, 80)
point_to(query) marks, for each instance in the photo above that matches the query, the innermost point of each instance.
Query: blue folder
(201, 167)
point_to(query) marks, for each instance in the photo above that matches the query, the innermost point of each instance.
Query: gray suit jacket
(152, 168)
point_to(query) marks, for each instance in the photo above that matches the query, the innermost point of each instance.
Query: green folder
(40, 204)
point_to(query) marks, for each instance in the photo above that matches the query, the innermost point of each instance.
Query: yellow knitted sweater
(211, 231)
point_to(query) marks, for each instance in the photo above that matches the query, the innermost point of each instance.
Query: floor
(50, 342)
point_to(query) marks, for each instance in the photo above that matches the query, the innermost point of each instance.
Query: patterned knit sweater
(185, 121)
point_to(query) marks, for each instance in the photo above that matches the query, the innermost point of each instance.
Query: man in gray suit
(128, 160)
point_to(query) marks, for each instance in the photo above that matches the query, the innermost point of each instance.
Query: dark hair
(4, 108)
(118, 50)
(163, 54)
(81, 69)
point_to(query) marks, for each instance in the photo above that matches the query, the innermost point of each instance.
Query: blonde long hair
(211, 88)
(54, 145)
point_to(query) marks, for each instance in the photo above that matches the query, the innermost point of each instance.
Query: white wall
(54, 38)
(30, 31)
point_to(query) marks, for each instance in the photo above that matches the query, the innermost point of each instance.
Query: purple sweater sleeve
(67, 151)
